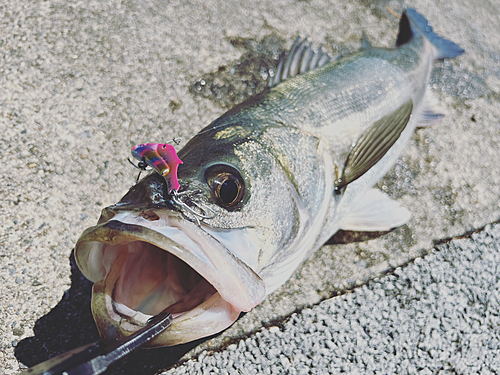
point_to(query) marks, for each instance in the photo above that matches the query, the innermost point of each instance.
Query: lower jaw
(116, 321)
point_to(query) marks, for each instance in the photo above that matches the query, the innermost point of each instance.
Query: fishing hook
(206, 212)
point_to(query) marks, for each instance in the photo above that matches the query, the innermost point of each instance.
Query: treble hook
(206, 212)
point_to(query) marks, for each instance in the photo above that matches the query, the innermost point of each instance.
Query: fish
(263, 187)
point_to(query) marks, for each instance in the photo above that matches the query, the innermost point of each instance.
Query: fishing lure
(162, 158)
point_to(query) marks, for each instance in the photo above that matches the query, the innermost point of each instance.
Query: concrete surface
(83, 81)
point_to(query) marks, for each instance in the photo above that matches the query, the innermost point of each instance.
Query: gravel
(439, 314)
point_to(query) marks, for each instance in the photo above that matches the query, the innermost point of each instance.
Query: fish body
(262, 188)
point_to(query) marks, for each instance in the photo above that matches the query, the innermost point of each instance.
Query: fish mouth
(144, 262)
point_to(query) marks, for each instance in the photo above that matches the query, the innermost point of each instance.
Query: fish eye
(227, 185)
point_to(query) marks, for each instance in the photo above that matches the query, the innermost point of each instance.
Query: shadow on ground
(347, 236)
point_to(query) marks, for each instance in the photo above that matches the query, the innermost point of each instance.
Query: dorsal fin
(300, 59)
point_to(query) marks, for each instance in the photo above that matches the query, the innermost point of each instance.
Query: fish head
(197, 253)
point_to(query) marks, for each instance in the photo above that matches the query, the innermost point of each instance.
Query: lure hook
(177, 141)
(205, 211)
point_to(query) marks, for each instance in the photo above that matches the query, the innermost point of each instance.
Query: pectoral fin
(374, 144)
(375, 211)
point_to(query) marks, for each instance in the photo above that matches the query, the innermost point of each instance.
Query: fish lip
(235, 282)
(117, 326)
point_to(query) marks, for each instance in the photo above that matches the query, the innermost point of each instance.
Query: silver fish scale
(336, 103)
(333, 105)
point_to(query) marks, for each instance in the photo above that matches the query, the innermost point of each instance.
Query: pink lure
(162, 158)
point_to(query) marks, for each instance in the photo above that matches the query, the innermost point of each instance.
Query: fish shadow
(343, 237)
(70, 325)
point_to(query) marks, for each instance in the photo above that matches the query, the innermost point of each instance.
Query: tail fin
(412, 21)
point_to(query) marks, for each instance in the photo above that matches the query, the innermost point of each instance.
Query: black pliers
(94, 358)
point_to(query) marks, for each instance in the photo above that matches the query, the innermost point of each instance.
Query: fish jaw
(143, 262)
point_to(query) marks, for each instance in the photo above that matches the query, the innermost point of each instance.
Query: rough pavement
(83, 81)
(439, 314)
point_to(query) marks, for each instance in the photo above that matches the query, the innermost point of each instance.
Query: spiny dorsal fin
(301, 58)
(374, 144)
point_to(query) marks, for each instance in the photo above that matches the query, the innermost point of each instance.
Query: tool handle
(95, 358)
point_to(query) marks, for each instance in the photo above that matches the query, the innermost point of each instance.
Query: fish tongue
(158, 279)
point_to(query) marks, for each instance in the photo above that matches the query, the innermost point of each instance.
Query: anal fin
(431, 113)
(373, 144)
(375, 211)
(365, 43)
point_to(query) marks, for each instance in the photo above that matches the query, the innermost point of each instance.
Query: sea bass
(262, 188)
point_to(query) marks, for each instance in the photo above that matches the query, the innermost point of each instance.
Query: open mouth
(141, 268)
(148, 279)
